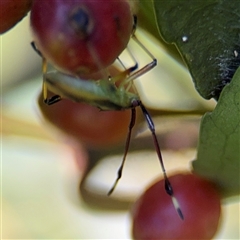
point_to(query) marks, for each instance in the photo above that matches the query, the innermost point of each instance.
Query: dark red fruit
(94, 128)
(154, 216)
(11, 12)
(81, 36)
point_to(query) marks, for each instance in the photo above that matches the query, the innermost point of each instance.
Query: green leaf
(147, 21)
(207, 34)
(218, 155)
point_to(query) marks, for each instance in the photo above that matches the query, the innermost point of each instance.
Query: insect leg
(132, 72)
(53, 99)
(147, 67)
(119, 173)
(168, 186)
(133, 68)
(36, 49)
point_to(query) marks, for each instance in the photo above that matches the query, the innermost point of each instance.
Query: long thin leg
(36, 49)
(119, 173)
(147, 67)
(132, 72)
(53, 99)
(168, 186)
(44, 86)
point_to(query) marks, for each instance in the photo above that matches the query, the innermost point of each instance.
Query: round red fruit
(81, 36)
(154, 216)
(12, 11)
(94, 128)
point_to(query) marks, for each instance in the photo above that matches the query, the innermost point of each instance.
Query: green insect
(105, 95)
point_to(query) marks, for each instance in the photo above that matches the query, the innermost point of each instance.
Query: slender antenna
(168, 186)
(119, 173)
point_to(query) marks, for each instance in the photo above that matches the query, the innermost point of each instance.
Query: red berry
(11, 12)
(81, 36)
(94, 128)
(154, 216)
